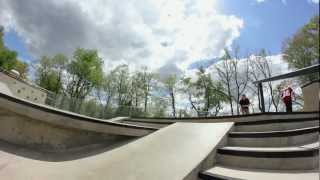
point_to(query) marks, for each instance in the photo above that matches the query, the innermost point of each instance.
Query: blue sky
(268, 24)
(265, 25)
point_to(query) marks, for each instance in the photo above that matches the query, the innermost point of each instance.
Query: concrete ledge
(173, 153)
(230, 173)
(239, 118)
(266, 134)
(274, 138)
(276, 125)
(157, 125)
(291, 158)
(48, 129)
(68, 119)
(277, 121)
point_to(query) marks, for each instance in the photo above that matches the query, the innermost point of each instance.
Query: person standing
(244, 104)
(287, 96)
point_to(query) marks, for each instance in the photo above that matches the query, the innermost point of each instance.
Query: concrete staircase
(269, 149)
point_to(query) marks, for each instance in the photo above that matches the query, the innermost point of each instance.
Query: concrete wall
(311, 95)
(22, 89)
(43, 136)
(42, 127)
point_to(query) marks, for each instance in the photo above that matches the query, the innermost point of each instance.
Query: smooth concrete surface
(311, 96)
(171, 153)
(5, 89)
(254, 174)
(314, 145)
(271, 141)
(296, 162)
(277, 126)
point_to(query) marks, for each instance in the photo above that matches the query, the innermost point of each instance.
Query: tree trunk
(145, 103)
(230, 99)
(173, 104)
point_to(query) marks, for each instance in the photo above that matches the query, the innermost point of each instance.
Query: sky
(164, 35)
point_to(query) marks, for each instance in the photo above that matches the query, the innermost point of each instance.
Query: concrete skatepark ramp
(34, 125)
(39, 142)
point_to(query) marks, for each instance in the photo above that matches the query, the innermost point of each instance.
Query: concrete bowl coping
(68, 119)
(269, 117)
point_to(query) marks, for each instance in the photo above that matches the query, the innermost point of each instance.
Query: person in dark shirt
(244, 104)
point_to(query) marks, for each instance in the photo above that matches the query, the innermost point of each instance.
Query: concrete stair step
(276, 124)
(230, 173)
(285, 158)
(274, 138)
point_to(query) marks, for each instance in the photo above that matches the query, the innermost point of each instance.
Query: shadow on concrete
(67, 155)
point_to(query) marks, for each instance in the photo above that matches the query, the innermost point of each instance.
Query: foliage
(302, 49)
(8, 59)
(85, 71)
(50, 72)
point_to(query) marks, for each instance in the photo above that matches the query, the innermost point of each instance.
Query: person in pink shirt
(287, 96)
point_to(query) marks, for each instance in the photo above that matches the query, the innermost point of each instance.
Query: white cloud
(151, 33)
(260, 1)
(314, 1)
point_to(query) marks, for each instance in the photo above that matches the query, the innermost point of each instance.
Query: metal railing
(300, 72)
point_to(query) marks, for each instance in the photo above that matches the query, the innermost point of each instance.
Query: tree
(170, 83)
(240, 77)
(145, 77)
(50, 72)
(123, 89)
(86, 73)
(8, 59)
(226, 73)
(302, 49)
(1, 37)
(22, 68)
(211, 92)
(106, 93)
(204, 95)
(260, 69)
(189, 89)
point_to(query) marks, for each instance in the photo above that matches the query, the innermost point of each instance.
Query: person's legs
(289, 106)
(246, 110)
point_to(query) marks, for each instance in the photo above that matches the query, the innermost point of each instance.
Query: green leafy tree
(302, 49)
(1, 37)
(50, 72)
(146, 78)
(123, 89)
(22, 68)
(8, 59)
(211, 93)
(205, 95)
(86, 73)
